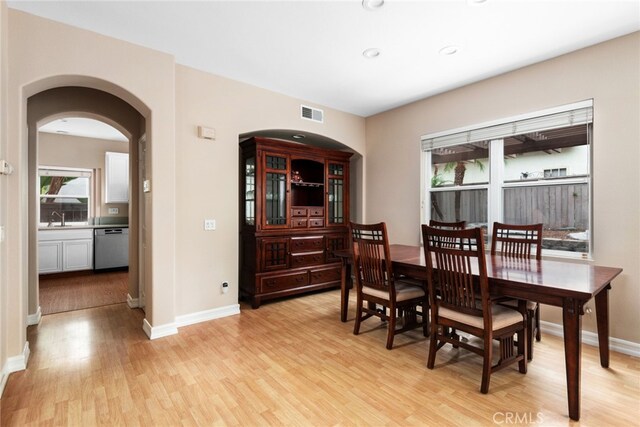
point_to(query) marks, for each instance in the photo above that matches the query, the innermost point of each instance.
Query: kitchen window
(64, 193)
(523, 170)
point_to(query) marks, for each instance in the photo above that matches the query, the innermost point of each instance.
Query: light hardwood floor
(291, 362)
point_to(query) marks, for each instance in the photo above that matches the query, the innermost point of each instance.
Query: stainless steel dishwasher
(111, 248)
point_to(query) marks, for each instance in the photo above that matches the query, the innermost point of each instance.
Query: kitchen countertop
(78, 227)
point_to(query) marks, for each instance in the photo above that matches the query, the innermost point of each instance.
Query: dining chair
(462, 301)
(377, 285)
(518, 241)
(456, 225)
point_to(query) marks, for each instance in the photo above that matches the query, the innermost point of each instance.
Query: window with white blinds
(503, 171)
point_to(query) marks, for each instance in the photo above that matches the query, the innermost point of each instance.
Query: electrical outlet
(225, 287)
(209, 224)
(114, 211)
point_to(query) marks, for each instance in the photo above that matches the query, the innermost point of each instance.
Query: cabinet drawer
(316, 212)
(325, 275)
(316, 222)
(269, 284)
(302, 244)
(299, 223)
(298, 212)
(309, 258)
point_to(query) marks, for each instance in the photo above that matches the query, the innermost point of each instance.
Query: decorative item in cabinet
(294, 210)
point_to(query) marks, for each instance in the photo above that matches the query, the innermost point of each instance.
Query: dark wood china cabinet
(294, 212)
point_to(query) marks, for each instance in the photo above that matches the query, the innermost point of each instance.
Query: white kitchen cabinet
(116, 177)
(49, 257)
(77, 255)
(65, 250)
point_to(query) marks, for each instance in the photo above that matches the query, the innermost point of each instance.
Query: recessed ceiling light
(372, 4)
(298, 136)
(449, 50)
(371, 53)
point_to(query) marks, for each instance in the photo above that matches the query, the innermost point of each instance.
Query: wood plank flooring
(291, 362)
(82, 290)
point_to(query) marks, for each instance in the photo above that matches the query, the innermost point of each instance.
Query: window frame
(66, 171)
(496, 185)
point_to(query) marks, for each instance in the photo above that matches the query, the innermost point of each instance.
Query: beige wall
(85, 153)
(610, 74)
(4, 303)
(207, 175)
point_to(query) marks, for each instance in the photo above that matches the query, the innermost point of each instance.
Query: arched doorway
(78, 101)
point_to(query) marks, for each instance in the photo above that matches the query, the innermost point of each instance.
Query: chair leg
(425, 319)
(538, 334)
(455, 336)
(486, 363)
(356, 325)
(433, 342)
(529, 333)
(391, 327)
(425, 316)
(522, 350)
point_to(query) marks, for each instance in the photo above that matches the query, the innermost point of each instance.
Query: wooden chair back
(370, 250)
(452, 268)
(459, 225)
(517, 241)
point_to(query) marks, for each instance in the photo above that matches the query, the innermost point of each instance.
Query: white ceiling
(88, 128)
(312, 50)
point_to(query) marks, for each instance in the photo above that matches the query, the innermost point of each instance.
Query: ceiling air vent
(313, 114)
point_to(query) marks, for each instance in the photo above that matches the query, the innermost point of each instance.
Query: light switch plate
(209, 224)
(146, 186)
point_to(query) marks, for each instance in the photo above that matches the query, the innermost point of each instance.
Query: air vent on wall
(312, 114)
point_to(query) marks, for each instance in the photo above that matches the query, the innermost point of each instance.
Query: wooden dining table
(557, 283)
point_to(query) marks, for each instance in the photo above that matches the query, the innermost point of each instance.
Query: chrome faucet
(61, 218)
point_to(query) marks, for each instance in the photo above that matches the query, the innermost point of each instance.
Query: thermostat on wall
(206, 133)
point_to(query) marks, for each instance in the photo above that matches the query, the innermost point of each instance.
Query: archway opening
(83, 102)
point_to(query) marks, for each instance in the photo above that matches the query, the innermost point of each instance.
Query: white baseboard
(155, 332)
(132, 302)
(591, 338)
(206, 315)
(14, 364)
(34, 319)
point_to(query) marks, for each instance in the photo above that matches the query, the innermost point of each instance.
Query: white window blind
(570, 117)
(65, 172)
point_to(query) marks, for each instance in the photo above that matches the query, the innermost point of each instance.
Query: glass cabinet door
(336, 200)
(275, 190)
(250, 191)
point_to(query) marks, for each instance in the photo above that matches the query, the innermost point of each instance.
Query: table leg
(572, 327)
(345, 282)
(602, 316)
